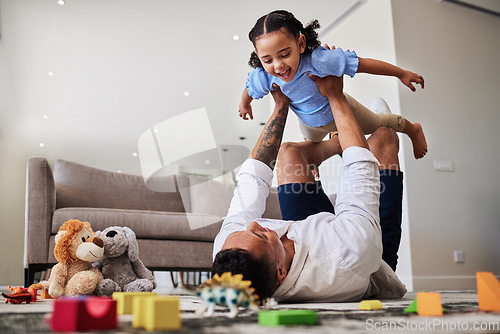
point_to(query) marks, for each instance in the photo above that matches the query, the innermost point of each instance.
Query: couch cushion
(145, 224)
(214, 197)
(167, 254)
(209, 196)
(82, 186)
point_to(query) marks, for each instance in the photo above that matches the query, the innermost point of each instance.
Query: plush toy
(76, 248)
(121, 267)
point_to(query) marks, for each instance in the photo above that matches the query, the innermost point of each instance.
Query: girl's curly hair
(277, 20)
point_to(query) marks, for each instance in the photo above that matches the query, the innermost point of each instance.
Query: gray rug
(462, 313)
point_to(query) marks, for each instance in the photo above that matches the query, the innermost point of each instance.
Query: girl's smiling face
(279, 52)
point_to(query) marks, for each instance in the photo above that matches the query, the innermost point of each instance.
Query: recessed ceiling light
(186, 93)
(155, 130)
(45, 116)
(134, 154)
(207, 162)
(42, 144)
(60, 2)
(51, 74)
(118, 171)
(236, 37)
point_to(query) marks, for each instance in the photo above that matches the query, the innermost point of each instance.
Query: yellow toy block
(370, 305)
(156, 313)
(124, 300)
(488, 291)
(429, 304)
(139, 311)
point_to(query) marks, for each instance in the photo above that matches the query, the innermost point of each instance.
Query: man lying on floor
(317, 253)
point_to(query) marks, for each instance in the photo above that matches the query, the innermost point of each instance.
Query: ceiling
(86, 80)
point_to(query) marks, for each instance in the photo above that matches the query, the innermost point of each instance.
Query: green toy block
(288, 317)
(412, 308)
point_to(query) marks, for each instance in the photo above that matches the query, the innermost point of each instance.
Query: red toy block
(71, 314)
(488, 291)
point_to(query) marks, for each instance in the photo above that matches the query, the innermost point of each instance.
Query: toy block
(139, 310)
(488, 291)
(71, 314)
(429, 304)
(124, 300)
(156, 313)
(412, 308)
(370, 305)
(288, 317)
(44, 294)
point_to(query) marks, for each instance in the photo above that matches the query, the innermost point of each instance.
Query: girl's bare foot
(418, 140)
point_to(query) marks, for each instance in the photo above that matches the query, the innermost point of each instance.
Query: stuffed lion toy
(75, 249)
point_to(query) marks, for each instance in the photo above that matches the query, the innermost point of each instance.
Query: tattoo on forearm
(270, 139)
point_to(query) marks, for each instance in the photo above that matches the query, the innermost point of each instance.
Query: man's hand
(350, 133)
(329, 87)
(326, 46)
(280, 99)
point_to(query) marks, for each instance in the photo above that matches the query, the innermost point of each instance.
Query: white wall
(456, 50)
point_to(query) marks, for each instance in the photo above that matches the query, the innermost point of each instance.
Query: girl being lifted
(286, 53)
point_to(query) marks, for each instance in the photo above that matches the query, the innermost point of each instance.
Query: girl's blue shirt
(306, 101)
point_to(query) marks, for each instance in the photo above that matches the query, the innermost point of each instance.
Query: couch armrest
(40, 205)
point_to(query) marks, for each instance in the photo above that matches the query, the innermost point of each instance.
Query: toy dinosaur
(20, 295)
(227, 290)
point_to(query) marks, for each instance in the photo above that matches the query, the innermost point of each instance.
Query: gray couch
(175, 229)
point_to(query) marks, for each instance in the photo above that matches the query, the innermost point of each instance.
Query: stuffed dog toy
(76, 247)
(121, 267)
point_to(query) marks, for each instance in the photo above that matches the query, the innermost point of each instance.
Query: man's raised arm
(268, 144)
(249, 200)
(350, 133)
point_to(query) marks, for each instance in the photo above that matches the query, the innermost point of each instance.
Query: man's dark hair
(282, 19)
(260, 272)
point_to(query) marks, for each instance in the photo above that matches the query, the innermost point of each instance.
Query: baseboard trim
(445, 282)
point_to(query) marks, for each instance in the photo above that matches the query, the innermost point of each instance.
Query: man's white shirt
(338, 257)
